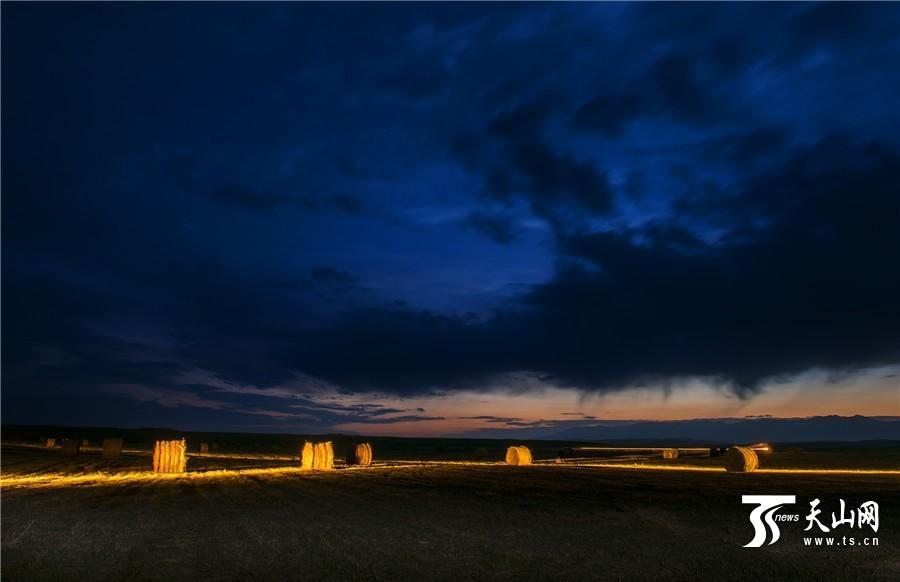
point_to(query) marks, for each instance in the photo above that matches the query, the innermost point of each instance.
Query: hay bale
(70, 447)
(323, 456)
(170, 456)
(518, 456)
(112, 448)
(49, 443)
(670, 454)
(740, 460)
(306, 456)
(204, 447)
(360, 454)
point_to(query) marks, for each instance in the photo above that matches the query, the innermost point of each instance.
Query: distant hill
(732, 430)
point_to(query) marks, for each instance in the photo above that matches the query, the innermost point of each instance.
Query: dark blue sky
(288, 215)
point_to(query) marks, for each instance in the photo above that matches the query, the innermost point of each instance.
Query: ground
(62, 519)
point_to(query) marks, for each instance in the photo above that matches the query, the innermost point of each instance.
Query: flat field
(245, 517)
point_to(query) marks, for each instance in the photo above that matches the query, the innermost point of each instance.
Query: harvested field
(414, 521)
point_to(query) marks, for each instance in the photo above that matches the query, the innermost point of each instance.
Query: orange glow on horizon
(873, 393)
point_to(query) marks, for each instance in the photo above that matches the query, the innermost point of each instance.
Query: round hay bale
(170, 456)
(307, 452)
(518, 456)
(740, 460)
(112, 448)
(71, 447)
(361, 454)
(323, 456)
(670, 454)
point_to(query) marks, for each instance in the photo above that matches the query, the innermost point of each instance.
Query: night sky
(438, 219)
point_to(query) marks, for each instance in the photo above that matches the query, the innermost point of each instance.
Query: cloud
(496, 228)
(800, 277)
(751, 146)
(164, 397)
(610, 113)
(517, 162)
(640, 305)
(493, 419)
(704, 219)
(396, 419)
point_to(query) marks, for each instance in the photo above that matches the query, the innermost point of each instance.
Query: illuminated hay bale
(170, 456)
(204, 447)
(518, 456)
(49, 443)
(670, 454)
(360, 454)
(323, 456)
(306, 456)
(71, 447)
(317, 457)
(740, 460)
(112, 448)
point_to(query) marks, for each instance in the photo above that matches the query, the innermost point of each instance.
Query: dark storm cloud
(688, 87)
(610, 113)
(516, 161)
(838, 25)
(656, 302)
(669, 200)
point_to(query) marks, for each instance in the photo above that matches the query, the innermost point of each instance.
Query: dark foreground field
(419, 522)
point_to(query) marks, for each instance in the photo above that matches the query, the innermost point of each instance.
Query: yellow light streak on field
(60, 480)
(700, 469)
(642, 449)
(54, 480)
